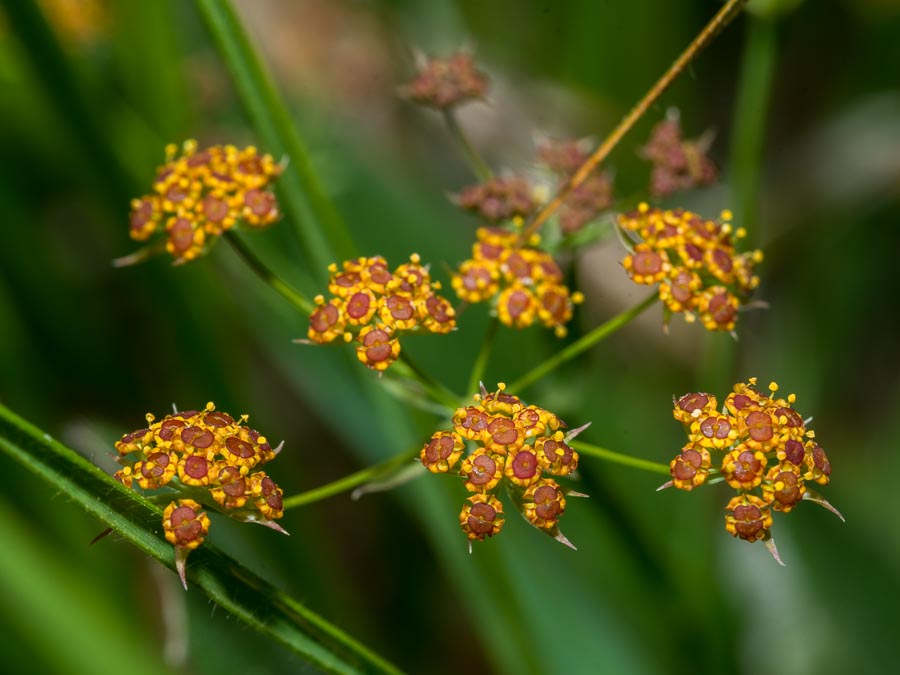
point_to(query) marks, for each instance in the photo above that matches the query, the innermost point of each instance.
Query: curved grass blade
(324, 235)
(224, 580)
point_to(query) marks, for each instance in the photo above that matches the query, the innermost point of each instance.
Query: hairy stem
(719, 21)
(263, 271)
(582, 344)
(349, 482)
(618, 458)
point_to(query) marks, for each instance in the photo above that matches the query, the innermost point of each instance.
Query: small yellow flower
(442, 452)
(543, 504)
(694, 262)
(198, 195)
(185, 524)
(748, 517)
(481, 516)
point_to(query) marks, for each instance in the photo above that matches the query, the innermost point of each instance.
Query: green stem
(479, 167)
(361, 477)
(582, 344)
(286, 291)
(324, 235)
(619, 458)
(438, 391)
(484, 353)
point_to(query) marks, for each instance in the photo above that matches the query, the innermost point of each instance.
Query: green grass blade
(320, 227)
(224, 580)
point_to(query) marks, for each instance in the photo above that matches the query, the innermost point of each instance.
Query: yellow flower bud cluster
(208, 458)
(374, 305)
(762, 447)
(513, 445)
(198, 195)
(694, 262)
(524, 283)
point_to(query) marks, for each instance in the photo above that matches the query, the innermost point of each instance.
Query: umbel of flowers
(198, 195)
(758, 444)
(507, 444)
(202, 458)
(373, 305)
(693, 260)
(524, 283)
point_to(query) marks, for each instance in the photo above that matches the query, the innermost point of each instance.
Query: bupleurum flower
(198, 195)
(499, 198)
(445, 83)
(759, 445)
(677, 164)
(373, 305)
(511, 445)
(694, 261)
(206, 459)
(593, 196)
(524, 283)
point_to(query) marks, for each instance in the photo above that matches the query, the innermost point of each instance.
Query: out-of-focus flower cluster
(499, 198)
(524, 283)
(587, 200)
(205, 458)
(693, 260)
(198, 195)
(677, 164)
(374, 305)
(510, 444)
(444, 83)
(758, 444)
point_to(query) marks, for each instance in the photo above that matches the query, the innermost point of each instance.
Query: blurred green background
(805, 102)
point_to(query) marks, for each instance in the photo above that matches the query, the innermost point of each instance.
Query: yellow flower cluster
(524, 282)
(765, 451)
(199, 195)
(512, 444)
(374, 304)
(209, 458)
(694, 262)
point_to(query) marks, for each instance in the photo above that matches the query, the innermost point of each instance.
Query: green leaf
(321, 229)
(224, 580)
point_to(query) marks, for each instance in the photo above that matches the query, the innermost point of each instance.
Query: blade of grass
(224, 580)
(318, 223)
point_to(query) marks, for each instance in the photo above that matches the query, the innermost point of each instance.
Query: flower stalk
(719, 21)
(582, 344)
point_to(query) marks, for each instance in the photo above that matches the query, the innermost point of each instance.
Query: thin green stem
(263, 271)
(704, 37)
(618, 458)
(322, 232)
(484, 354)
(349, 482)
(436, 390)
(582, 344)
(479, 167)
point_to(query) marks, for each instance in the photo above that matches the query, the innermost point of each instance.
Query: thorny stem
(483, 354)
(619, 458)
(287, 291)
(479, 167)
(582, 344)
(348, 482)
(718, 22)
